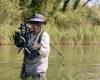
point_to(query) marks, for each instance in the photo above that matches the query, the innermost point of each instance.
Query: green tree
(66, 2)
(76, 4)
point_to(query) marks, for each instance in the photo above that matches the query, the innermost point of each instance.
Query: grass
(6, 34)
(74, 27)
(71, 27)
(79, 35)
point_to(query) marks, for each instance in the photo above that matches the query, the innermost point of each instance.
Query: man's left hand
(36, 46)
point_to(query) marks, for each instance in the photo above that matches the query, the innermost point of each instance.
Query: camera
(21, 35)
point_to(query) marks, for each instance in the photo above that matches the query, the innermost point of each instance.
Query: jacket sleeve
(45, 45)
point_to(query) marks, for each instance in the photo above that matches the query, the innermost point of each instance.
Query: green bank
(73, 27)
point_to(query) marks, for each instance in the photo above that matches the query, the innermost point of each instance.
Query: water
(80, 63)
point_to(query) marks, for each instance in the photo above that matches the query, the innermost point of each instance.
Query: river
(79, 63)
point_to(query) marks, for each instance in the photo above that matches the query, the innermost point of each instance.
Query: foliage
(9, 13)
(79, 26)
(76, 27)
(65, 4)
(76, 4)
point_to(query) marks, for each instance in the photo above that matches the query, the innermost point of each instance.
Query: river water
(79, 63)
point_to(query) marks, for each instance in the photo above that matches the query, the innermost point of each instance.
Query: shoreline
(60, 43)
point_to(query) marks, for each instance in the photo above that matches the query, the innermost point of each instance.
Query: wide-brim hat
(37, 18)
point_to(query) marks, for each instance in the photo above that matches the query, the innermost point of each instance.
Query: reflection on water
(80, 63)
(10, 63)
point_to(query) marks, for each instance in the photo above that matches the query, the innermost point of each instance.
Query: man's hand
(36, 46)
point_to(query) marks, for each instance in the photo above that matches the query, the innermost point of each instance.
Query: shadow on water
(80, 63)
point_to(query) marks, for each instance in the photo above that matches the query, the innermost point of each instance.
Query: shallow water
(80, 63)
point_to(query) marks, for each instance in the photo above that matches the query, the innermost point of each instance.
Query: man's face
(36, 27)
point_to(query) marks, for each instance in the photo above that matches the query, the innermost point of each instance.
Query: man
(36, 58)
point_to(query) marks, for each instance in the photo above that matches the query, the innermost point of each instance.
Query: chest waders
(32, 59)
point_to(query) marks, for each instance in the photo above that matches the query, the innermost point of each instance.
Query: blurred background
(74, 28)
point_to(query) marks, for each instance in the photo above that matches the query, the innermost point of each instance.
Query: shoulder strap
(39, 37)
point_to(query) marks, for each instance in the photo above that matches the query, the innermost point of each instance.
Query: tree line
(12, 11)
